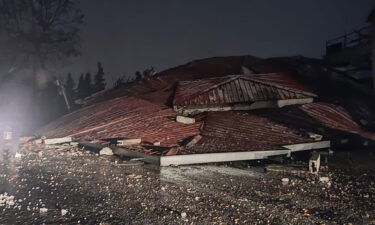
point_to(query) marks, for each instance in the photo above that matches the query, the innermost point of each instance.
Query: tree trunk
(373, 52)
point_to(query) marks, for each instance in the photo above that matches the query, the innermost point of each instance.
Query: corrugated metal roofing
(239, 89)
(125, 117)
(144, 117)
(335, 117)
(164, 80)
(238, 131)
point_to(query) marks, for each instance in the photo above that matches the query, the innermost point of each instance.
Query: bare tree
(38, 33)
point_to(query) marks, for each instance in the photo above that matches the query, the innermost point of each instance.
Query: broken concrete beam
(308, 146)
(133, 154)
(129, 142)
(194, 141)
(53, 141)
(185, 120)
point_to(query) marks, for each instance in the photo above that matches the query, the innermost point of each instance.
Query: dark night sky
(131, 35)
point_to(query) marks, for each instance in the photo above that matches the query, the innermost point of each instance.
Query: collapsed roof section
(123, 118)
(239, 92)
(336, 117)
(143, 112)
(241, 131)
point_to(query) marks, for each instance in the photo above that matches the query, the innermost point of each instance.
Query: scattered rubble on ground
(61, 184)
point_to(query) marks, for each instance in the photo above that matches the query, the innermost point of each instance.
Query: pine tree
(69, 88)
(81, 86)
(88, 87)
(99, 81)
(138, 76)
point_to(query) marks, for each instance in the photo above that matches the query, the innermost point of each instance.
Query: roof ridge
(250, 78)
(279, 86)
(228, 79)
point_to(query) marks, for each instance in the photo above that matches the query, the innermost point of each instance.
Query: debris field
(61, 184)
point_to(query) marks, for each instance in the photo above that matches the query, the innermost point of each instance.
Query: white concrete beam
(308, 146)
(237, 156)
(282, 103)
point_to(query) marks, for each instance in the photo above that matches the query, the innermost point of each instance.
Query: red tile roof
(125, 117)
(239, 131)
(239, 89)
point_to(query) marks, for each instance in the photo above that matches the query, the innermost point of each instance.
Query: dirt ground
(61, 185)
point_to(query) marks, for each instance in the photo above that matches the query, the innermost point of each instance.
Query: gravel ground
(61, 185)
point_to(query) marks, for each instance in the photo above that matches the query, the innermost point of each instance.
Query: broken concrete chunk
(53, 141)
(73, 144)
(106, 151)
(185, 120)
(64, 212)
(316, 137)
(183, 215)
(43, 210)
(129, 142)
(314, 163)
(285, 180)
(38, 141)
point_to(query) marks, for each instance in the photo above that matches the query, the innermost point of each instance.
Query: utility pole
(62, 91)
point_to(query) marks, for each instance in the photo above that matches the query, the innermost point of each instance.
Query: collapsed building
(225, 109)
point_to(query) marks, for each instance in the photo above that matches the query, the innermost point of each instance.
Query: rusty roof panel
(239, 89)
(125, 117)
(238, 131)
(197, 69)
(335, 117)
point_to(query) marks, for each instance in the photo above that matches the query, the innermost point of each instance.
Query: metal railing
(348, 40)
